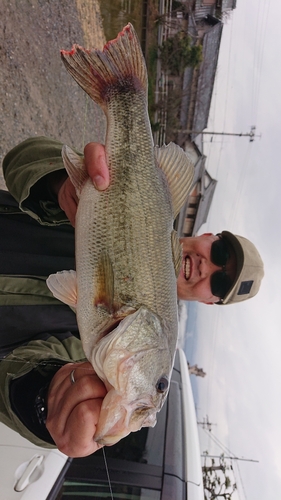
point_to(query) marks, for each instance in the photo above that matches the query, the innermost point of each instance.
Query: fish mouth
(117, 421)
(187, 268)
(110, 440)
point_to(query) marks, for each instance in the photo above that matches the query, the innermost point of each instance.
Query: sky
(239, 346)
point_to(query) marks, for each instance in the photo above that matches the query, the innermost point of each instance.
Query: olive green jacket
(26, 169)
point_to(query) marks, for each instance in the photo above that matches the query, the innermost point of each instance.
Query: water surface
(117, 14)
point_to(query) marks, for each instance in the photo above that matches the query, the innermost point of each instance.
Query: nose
(207, 268)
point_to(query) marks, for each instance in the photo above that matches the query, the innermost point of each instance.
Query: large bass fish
(127, 254)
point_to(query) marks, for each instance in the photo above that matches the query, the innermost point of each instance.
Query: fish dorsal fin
(63, 286)
(75, 167)
(104, 294)
(179, 171)
(177, 252)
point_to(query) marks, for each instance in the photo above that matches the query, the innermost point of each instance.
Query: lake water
(118, 13)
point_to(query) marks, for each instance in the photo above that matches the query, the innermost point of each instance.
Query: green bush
(177, 53)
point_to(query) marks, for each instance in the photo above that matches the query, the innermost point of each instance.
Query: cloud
(238, 394)
(239, 346)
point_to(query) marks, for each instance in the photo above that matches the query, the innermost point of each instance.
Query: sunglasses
(220, 282)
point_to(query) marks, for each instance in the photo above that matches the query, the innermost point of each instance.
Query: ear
(210, 303)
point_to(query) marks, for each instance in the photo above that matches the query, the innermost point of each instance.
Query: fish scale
(127, 254)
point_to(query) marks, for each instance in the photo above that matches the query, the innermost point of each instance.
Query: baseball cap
(249, 269)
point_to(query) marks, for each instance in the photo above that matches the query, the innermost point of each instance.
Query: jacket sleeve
(36, 362)
(27, 169)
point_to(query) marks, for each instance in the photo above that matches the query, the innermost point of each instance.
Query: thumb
(96, 165)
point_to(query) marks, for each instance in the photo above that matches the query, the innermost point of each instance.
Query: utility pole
(251, 134)
(206, 424)
(231, 458)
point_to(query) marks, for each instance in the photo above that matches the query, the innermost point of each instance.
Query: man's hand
(95, 162)
(96, 165)
(74, 409)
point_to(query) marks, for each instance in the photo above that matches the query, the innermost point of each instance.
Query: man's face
(194, 278)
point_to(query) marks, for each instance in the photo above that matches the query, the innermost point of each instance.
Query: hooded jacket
(38, 334)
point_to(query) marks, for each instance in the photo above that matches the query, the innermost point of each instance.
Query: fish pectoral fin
(177, 252)
(75, 167)
(179, 172)
(104, 296)
(63, 286)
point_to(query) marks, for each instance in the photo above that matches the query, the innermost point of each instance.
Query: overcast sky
(239, 346)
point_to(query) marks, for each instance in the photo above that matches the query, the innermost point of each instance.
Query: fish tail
(119, 68)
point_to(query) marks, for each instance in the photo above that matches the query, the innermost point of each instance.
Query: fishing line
(34, 365)
(107, 473)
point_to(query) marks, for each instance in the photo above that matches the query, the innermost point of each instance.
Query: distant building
(196, 209)
(198, 83)
(217, 8)
(203, 22)
(184, 100)
(194, 370)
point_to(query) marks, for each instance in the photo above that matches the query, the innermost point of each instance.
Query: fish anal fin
(179, 172)
(177, 252)
(74, 165)
(63, 286)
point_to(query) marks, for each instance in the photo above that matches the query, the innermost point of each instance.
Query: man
(43, 394)
(241, 262)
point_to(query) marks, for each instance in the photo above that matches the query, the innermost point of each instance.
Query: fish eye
(162, 385)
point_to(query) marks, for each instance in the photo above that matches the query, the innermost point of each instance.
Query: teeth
(187, 268)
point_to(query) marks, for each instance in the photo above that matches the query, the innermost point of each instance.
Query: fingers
(63, 395)
(80, 429)
(96, 164)
(74, 409)
(68, 200)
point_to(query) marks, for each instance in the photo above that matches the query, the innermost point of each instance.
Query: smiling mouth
(187, 268)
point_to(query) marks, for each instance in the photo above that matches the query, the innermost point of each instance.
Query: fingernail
(99, 182)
